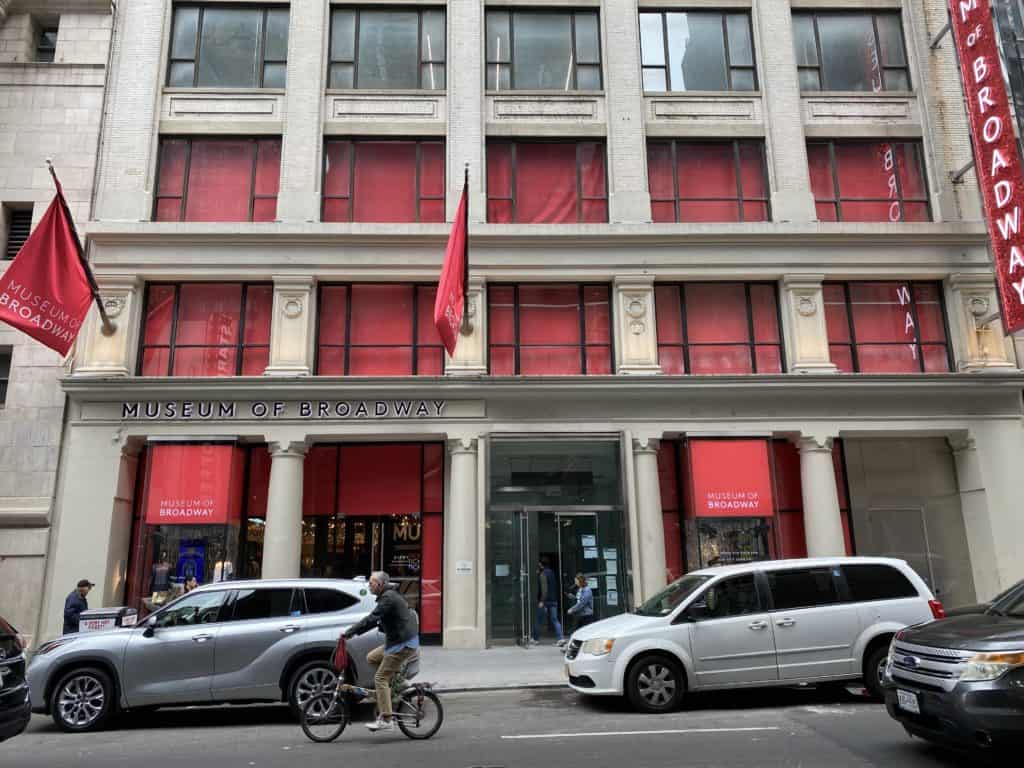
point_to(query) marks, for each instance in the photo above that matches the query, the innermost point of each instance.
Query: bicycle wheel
(419, 713)
(324, 717)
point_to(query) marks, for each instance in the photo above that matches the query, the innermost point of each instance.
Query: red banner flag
(451, 288)
(45, 291)
(997, 163)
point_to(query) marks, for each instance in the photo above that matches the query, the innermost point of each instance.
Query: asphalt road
(528, 729)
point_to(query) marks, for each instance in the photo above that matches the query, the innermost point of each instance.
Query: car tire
(308, 680)
(874, 667)
(83, 700)
(655, 683)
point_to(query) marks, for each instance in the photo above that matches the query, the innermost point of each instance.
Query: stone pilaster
(471, 350)
(100, 354)
(978, 347)
(465, 140)
(636, 334)
(803, 324)
(291, 327)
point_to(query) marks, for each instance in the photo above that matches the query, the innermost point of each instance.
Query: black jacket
(394, 617)
(73, 607)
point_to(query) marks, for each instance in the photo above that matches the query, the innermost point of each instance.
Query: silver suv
(237, 641)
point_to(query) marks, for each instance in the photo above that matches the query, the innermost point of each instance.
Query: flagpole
(108, 325)
(467, 327)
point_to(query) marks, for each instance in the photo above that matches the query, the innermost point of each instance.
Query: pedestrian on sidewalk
(74, 604)
(547, 601)
(583, 610)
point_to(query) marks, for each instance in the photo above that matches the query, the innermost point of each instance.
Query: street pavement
(533, 728)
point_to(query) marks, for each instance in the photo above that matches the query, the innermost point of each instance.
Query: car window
(1012, 605)
(876, 582)
(671, 596)
(803, 588)
(731, 597)
(191, 610)
(328, 600)
(265, 604)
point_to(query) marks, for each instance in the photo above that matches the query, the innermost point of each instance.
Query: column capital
(961, 443)
(457, 445)
(290, 449)
(795, 282)
(293, 281)
(814, 443)
(646, 445)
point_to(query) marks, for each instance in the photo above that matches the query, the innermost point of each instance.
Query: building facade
(729, 300)
(53, 58)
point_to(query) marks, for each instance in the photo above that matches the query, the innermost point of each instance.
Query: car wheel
(655, 683)
(311, 678)
(874, 670)
(83, 700)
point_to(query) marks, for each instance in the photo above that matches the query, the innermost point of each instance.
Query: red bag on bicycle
(340, 659)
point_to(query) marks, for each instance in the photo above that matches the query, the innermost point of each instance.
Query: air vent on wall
(19, 227)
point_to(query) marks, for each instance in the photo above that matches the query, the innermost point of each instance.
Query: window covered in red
(868, 180)
(546, 182)
(206, 329)
(378, 330)
(549, 329)
(891, 327)
(725, 328)
(218, 180)
(707, 181)
(671, 465)
(383, 180)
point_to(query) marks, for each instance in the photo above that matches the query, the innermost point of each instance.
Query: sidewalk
(541, 666)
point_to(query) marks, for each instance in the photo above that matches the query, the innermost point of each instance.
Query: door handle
(289, 629)
(201, 638)
(785, 622)
(757, 624)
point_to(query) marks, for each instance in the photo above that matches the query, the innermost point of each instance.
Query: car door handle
(201, 638)
(785, 622)
(757, 624)
(289, 629)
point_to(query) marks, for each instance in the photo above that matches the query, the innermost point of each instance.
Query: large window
(224, 46)
(725, 328)
(218, 180)
(857, 51)
(697, 51)
(387, 48)
(553, 330)
(385, 180)
(206, 329)
(378, 330)
(543, 50)
(546, 182)
(868, 181)
(896, 327)
(707, 181)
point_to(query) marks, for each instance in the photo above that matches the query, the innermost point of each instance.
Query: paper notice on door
(610, 553)
(613, 598)
(501, 570)
(609, 583)
(592, 582)
(590, 553)
(587, 540)
(611, 566)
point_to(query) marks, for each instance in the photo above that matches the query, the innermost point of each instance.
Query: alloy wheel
(315, 681)
(656, 684)
(81, 701)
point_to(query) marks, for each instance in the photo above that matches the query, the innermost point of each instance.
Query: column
(649, 523)
(99, 354)
(977, 348)
(282, 537)
(471, 350)
(291, 326)
(628, 198)
(977, 522)
(792, 200)
(462, 559)
(823, 523)
(636, 334)
(465, 141)
(803, 323)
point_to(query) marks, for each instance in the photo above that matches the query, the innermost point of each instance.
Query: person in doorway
(190, 584)
(583, 610)
(547, 601)
(74, 604)
(401, 631)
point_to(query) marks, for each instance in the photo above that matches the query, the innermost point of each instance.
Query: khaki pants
(387, 665)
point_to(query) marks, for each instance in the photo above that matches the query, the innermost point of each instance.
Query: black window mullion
(197, 51)
(681, 288)
(675, 176)
(728, 58)
(316, 328)
(185, 182)
(579, 181)
(515, 182)
(583, 327)
(665, 58)
(419, 75)
(515, 325)
(240, 344)
(817, 47)
(917, 325)
(739, 174)
(855, 358)
(899, 182)
(261, 50)
(174, 330)
(351, 192)
(252, 176)
(572, 47)
(415, 330)
(752, 339)
(878, 50)
(834, 167)
(355, 56)
(348, 325)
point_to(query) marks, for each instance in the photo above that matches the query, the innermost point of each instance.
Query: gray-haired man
(401, 642)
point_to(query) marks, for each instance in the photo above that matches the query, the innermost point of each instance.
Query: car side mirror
(697, 611)
(149, 627)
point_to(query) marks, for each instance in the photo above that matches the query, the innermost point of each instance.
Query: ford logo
(909, 661)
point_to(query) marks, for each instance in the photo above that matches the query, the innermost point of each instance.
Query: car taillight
(938, 612)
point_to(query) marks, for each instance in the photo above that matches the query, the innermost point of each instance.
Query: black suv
(15, 707)
(961, 679)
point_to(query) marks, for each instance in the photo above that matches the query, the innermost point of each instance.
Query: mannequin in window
(223, 569)
(160, 580)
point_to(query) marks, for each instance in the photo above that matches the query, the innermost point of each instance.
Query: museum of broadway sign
(282, 410)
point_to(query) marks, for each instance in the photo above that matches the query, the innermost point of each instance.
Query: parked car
(15, 711)
(773, 623)
(236, 641)
(961, 680)
(977, 608)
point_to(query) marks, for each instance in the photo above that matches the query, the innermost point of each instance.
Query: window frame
(762, 603)
(347, 345)
(737, 170)
(751, 344)
(847, 591)
(42, 53)
(852, 344)
(261, 51)
(517, 345)
(185, 185)
(724, 13)
(421, 61)
(837, 586)
(568, 10)
(172, 346)
(296, 602)
(873, 13)
(6, 362)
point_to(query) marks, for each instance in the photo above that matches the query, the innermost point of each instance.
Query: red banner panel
(731, 478)
(997, 160)
(382, 479)
(193, 484)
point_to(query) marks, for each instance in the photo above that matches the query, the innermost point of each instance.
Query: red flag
(451, 287)
(45, 291)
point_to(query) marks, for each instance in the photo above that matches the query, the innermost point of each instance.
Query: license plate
(908, 701)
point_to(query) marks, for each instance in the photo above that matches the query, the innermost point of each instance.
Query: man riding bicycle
(401, 631)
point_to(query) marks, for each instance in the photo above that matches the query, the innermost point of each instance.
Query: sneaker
(531, 641)
(561, 643)
(380, 724)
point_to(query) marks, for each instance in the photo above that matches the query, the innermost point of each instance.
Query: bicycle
(416, 709)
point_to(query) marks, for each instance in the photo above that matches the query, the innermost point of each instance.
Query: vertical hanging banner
(454, 282)
(996, 157)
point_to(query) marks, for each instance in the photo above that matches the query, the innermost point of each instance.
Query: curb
(502, 687)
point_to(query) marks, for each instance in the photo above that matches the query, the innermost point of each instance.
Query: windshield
(1012, 605)
(671, 596)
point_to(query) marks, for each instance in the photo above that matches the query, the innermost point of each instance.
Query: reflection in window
(697, 51)
(850, 52)
(543, 51)
(387, 48)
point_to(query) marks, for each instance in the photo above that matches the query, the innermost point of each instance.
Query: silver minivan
(235, 641)
(772, 623)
